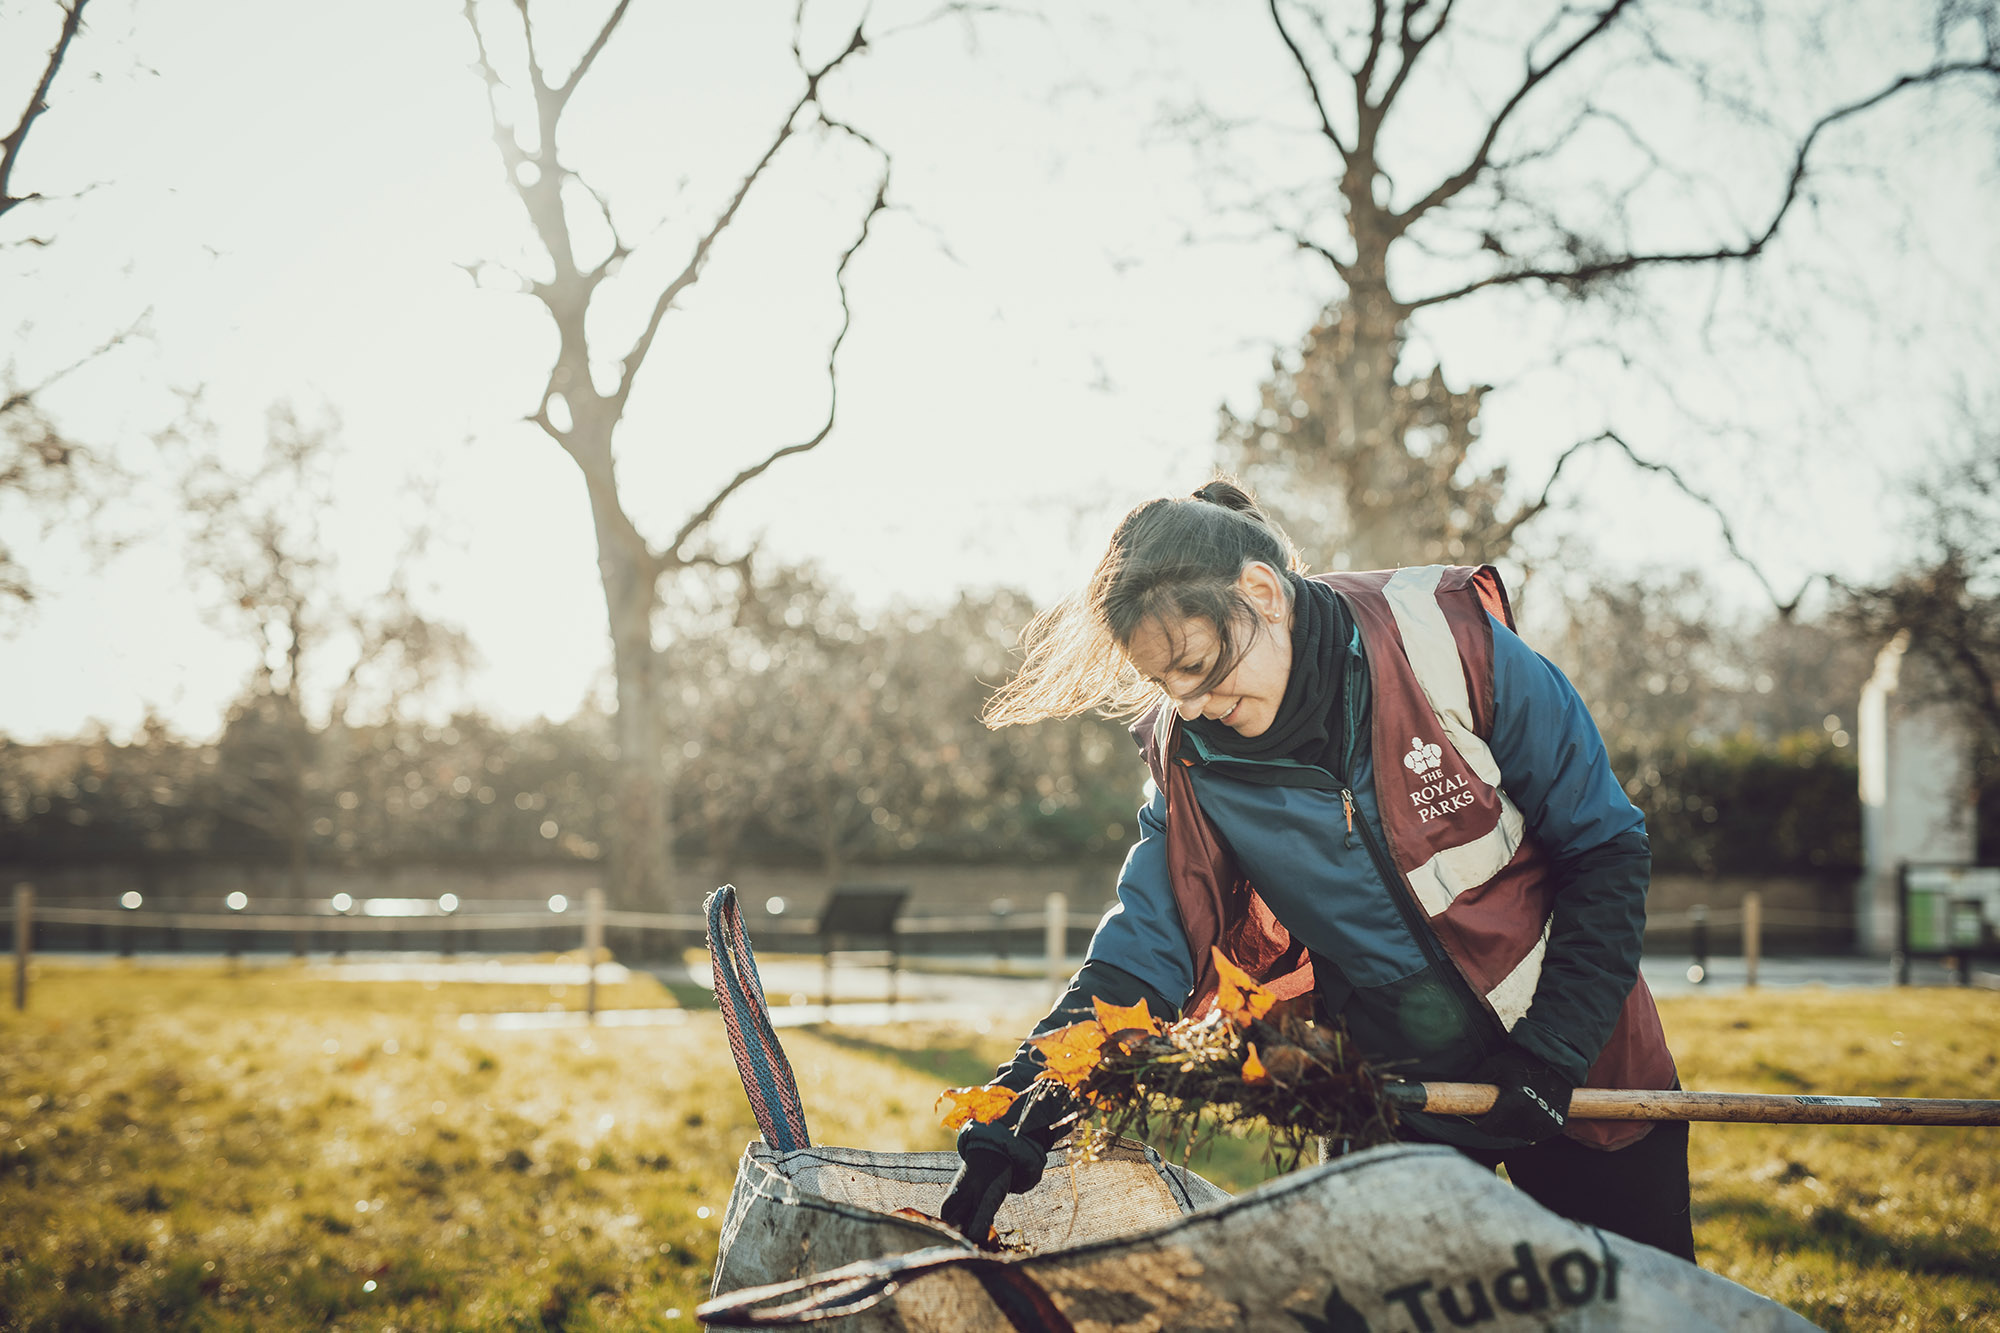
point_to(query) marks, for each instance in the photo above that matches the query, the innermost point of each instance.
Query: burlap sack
(798, 1213)
(1404, 1239)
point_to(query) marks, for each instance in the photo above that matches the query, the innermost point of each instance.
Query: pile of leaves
(1243, 1063)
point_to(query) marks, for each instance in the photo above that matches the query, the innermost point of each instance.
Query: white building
(1918, 803)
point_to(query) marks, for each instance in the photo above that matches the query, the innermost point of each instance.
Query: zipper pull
(1347, 800)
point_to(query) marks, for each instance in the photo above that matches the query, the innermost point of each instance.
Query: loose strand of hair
(1071, 664)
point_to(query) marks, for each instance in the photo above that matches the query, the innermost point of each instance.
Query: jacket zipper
(1455, 984)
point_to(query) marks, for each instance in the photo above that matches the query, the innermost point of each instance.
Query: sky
(287, 200)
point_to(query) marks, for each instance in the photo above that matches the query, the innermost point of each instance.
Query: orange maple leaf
(1125, 1018)
(1253, 1068)
(985, 1104)
(1239, 995)
(1071, 1052)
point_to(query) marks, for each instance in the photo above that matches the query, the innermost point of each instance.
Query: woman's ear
(1266, 590)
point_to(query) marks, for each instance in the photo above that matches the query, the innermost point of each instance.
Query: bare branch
(1583, 274)
(691, 274)
(961, 9)
(20, 398)
(540, 417)
(1304, 242)
(38, 102)
(1412, 44)
(1785, 606)
(1326, 129)
(1364, 78)
(596, 47)
(511, 152)
(701, 518)
(619, 250)
(1470, 172)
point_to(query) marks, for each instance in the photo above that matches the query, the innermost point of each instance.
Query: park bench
(859, 918)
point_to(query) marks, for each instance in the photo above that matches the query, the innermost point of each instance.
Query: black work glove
(995, 1162)
(985, 1178)
(1007, 1156)
(1534, 1096)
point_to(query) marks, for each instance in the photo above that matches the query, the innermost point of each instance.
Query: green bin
(1927, 927)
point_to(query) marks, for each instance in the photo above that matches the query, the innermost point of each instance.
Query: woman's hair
(1170, 561)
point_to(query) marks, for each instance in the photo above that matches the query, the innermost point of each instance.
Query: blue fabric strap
(760, 1060)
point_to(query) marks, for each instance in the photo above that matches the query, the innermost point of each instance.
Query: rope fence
(679, 922)
(560, 928)
(123, 928)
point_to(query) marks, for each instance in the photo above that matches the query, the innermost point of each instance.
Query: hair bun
(1225, 493)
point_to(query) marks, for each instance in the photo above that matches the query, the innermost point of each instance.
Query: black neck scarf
(1308, 727)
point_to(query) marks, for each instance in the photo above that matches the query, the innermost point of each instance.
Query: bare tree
(583, 419)
(1529, 203)
(56, 477)
(255, 538)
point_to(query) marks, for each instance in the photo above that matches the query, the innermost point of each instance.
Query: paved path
(793, 987)
(1668, 975)
(860, 994)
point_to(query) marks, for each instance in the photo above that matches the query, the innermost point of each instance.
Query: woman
(1363, 785)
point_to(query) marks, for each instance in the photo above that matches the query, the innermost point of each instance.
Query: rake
(1754, 1107)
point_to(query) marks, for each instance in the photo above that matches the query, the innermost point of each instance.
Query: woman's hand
(985, 1178)
(997, 1160)
(1534, 1096)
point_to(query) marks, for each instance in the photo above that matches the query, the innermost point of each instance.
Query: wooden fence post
(24, 925)
(1698, 943)
(1753, 935)
(593, 944)
(1055, 939)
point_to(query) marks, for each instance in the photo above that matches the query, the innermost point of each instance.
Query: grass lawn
(1858, 1226)
(193, 1148)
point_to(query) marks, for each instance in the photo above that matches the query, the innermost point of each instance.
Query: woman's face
(1178, 657)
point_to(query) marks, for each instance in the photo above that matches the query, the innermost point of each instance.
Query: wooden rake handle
(1756, 1107)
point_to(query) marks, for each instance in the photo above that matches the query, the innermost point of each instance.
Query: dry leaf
(1126, 1018)
(1239, 995)
(1071, 1052)
(984, 1104)
(1253, 1068)
(1287, 1065)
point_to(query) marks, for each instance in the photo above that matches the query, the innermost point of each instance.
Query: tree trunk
(641, 852)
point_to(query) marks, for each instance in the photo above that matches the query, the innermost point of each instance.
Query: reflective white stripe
(1433, 654)
(1455, 869)
(1516, 991)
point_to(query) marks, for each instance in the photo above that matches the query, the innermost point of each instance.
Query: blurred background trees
(817, 737)
(823, 738)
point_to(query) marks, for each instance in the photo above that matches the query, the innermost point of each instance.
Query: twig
(38, 102)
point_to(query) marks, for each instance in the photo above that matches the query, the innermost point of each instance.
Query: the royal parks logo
(1436, 794)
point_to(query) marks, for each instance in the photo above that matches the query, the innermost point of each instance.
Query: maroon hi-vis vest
(1457, 840)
